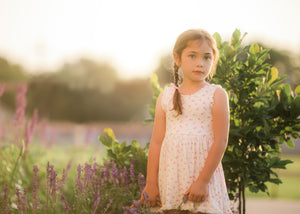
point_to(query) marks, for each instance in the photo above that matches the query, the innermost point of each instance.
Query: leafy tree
(56, 101)
(87, 74)
(264, 114)
(10, 72)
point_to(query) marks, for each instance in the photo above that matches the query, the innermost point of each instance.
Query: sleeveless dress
(185, 147)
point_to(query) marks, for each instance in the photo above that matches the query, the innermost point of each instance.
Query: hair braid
(177, 105)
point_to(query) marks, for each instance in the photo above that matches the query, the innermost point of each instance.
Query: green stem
(16, 166)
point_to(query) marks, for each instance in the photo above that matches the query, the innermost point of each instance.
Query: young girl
(190, 133)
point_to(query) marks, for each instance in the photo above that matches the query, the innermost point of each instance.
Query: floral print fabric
(187, 141)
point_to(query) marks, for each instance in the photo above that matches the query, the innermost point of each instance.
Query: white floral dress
(184, 150)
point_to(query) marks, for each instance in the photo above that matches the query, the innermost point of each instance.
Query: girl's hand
(197, 192)
(152, 194)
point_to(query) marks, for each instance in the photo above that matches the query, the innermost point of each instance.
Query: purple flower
(51, 180)
(88, 175)
(35, 197)
(21, 103)
(29, 129)
(4, 204)
(24, 198)
(114, 172)
(136, 204)
(123, 175)
(131, 169)
(19, 200)
(64, 175)
(130, 210)
(141, 181)
(96, 202)
(78, 180)
(67, 206)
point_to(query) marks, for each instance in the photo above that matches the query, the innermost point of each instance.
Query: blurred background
(87, 61)
(87, 64)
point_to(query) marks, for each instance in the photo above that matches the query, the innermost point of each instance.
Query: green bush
(123, 155)
(264, 114)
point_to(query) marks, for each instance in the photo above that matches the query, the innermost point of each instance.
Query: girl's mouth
(198, 72)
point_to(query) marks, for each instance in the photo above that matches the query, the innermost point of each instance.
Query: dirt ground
(271, 206)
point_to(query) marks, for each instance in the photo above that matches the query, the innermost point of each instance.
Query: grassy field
(60, 155)
(290, 187)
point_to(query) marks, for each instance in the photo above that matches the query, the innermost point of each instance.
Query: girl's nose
(200, 63)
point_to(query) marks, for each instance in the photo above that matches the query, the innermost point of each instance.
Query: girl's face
(196, 60)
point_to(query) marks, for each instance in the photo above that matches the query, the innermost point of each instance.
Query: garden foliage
(123, 154)
(264, 114)
(105, 188)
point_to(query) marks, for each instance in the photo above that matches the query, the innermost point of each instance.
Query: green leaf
(254, 49)
(235, 39)
(115, 147)
(290, 144)
(218, 39)
(109, 132)
(285, 96)
(275, 180)
(126, 149)
(135, 144)
(297, 104)
(278, 80)
(228, 49)
(297, 90)
(123, 145)
(253, 189)
(273, 74)
(107, 143)
(251, 60)
(111, 154)
(287, 89)
(273, 161)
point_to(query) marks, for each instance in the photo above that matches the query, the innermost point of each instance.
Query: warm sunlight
(133, 35)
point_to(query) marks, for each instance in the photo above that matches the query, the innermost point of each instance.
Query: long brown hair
(180, 45)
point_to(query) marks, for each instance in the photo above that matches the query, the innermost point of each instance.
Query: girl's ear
(177, 59)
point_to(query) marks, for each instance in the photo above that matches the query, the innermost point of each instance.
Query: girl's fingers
(196, 198)
(188, 191)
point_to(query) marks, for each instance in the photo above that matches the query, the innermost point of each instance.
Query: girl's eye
(192, 56)
(207, 57)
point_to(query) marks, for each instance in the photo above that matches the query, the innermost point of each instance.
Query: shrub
(264, 114)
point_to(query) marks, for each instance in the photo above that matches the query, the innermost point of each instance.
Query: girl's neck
(193, 85)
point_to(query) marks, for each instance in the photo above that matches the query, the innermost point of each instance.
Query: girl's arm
(220, 113)
(158, 134)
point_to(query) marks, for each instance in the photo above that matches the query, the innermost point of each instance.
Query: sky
(133, 34)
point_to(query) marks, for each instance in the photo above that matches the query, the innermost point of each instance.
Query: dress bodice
(196, 118)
